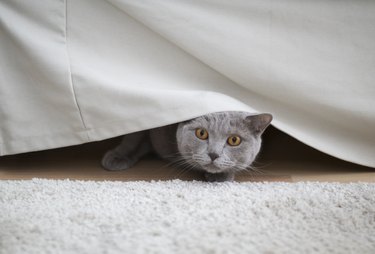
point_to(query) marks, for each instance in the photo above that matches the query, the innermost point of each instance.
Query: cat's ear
(258, 123)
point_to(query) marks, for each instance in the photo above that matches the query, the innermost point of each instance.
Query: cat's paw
(114, 162)
(219, 177)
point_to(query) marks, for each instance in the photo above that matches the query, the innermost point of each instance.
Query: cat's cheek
(199, 146)
(186, 149)
(235, 153)
(251, 157)
(186, 144)
(255, 151)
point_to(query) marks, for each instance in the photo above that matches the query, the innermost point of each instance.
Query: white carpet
(48, 216)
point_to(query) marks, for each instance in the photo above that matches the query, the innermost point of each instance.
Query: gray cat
(219, 144)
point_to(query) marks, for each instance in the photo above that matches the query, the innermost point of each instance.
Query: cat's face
(222, 142)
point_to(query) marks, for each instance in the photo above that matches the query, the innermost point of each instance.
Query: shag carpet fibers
(63, 216)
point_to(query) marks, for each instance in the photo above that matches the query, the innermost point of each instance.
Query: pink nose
(213, 156)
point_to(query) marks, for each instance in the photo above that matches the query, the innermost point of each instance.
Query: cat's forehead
(223, 122)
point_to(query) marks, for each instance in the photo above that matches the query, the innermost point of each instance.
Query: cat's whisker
(172, 163)
(175, 158)
(179, 166)
(255, 170)
(182, 172)
(261, 164)
(178, 154)
(250, 173)
(250, 170)
(184, 169)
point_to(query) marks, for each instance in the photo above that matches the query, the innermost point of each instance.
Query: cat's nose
(213, 156)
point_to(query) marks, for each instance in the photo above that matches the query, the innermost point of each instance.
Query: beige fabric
(79, 71)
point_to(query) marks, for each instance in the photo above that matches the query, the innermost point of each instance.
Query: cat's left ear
(258, 123)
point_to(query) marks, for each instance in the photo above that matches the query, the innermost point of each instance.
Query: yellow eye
(234, 140)
(201, 133)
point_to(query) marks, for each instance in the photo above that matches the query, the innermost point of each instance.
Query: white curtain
(75, 71)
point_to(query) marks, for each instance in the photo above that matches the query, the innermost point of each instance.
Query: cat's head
(222, 142)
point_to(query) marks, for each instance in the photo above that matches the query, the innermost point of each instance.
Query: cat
(218, 144)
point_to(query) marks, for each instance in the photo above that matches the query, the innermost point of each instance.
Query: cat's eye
(201, 133)
(234, 140)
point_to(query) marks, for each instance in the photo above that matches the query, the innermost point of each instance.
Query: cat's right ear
(258, 123)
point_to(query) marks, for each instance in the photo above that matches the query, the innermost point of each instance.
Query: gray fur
(178, 143)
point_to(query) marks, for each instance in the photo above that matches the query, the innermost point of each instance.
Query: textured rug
(49, 216)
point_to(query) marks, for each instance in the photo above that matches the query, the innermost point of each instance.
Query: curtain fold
(80, 71)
